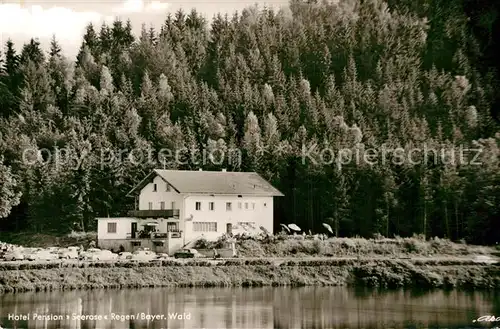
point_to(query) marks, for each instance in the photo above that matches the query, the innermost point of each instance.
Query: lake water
(309, 307)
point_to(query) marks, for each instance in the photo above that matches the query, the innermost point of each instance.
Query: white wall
(261, 215)
(148, 195)
(123, 227)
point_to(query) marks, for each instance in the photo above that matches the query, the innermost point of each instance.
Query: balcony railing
(165, 213)
(156, 235)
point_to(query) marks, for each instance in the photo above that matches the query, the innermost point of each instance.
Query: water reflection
(311, 307)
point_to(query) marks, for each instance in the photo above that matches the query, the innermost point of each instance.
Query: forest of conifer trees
(354, 75)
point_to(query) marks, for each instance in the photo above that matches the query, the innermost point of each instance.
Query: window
(205, 226)
(198, 205)
(154, 187)
(246, 205)
(162, 205)
(253, 205)
(167, 187)
(136, 243)
(239, 205)
(111, 227)
(228, 206)
(150, 205)
(173, 205)
(211, 206)
(172, 227)
(158, 243)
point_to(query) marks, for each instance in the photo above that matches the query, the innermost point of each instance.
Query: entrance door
(133, 230)
(229, 228)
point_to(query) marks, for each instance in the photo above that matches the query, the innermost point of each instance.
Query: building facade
(175, 208)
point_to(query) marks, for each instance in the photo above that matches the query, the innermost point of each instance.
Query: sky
(66, 19)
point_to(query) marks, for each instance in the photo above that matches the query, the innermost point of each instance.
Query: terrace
(164, 213)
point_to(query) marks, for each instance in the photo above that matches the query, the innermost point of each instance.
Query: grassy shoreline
(289, 245)
(381, 273)
(391, 263)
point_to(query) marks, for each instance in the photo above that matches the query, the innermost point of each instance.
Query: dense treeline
(356, 75)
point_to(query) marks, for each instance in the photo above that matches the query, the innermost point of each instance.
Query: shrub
(232, 262)
(258, 262)
(202, 243)
(221, 242)
(9, 267)
(170, 263)
(198, 263)
(317, 247)
(348, 244)
(415, 245)
(290, 263)
(427, 279)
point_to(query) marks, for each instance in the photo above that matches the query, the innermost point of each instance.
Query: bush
(415, 245)
(348, 244)
(170, 263)
(317, 247)
(232, 263)
(221, 242)
(202, 244)
(258, 262)
(9, 267)
(289, 263)
(198, 263)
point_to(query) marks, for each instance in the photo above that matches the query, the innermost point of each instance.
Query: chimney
(224, 170)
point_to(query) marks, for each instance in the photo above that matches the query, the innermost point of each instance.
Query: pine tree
(10, 195)
(252, 143)
(91, 40)
(32, 51)
(261, 85)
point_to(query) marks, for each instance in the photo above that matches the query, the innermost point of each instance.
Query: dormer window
(154, 188)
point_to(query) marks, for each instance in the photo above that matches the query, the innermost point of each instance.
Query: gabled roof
(212, 182)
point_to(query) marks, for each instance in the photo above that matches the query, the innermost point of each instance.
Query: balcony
(155, 236)
(165, 213)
